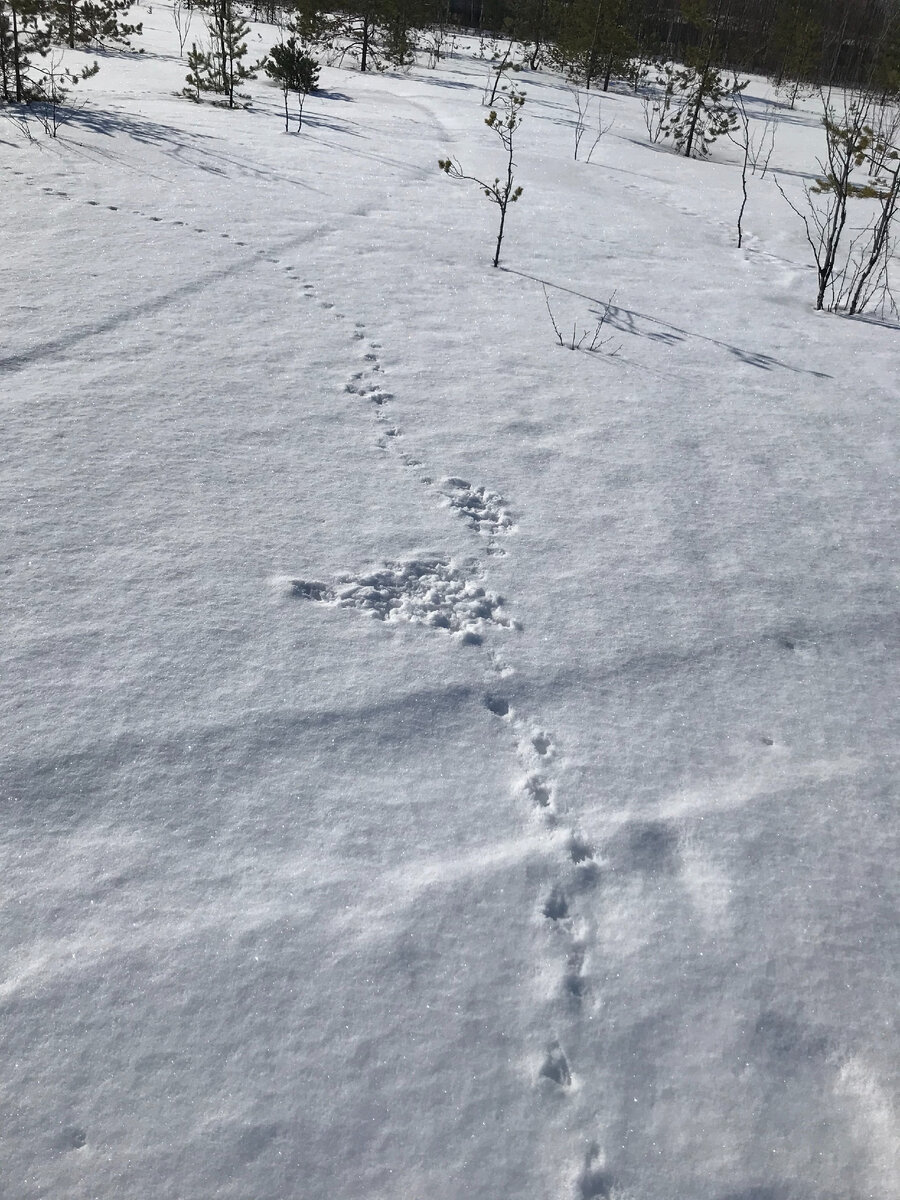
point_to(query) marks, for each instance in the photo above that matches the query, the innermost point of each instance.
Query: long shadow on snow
(155, 304)
(420, 171)
(865, 632)
(196, 149)
(110, 123)
(59, 790)
(638, 324)
(451, 83)
(335, 124)
(874, 319)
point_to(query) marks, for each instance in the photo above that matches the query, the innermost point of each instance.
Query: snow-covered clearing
(437, 763)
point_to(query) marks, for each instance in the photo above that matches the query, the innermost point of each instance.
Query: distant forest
(812, 41)
(794, 42)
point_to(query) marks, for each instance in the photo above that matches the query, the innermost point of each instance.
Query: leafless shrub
(591, 341)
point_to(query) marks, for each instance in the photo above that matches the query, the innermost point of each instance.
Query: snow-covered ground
(437, 763)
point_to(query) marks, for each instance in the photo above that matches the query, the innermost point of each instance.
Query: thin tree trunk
(740, 220)
(693, 126)
(4, 65)
(17, 64)
(496, 261)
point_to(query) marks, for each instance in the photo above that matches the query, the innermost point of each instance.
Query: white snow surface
(437, 763)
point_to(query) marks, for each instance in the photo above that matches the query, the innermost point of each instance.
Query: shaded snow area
(437, 763)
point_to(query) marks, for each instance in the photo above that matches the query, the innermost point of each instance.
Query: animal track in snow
(556, 906)
(556, 1066)
(539, 791)
(579, 850)
(497, 705)
(594, 1181)
(73, 1138)
(541, 744)
(483, 510)
(536, 747)
(308, 589)
(432, 592)
(574, 981)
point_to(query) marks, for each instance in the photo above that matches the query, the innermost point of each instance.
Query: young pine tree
(397, 35)
(90, 22)
(595, 41)
(228, 51)
(507, 192)
(294, 71)
(703, 109)
(200, 74)
(22, 36)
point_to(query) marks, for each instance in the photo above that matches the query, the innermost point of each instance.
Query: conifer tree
(199, 77)
(701, 97)
(225, 68)
(595, 41)
(398, 40)
(374, 32)
(295, 71)
(534, 24)
(90, 22)
(797, 46)
(314, 24)
(702, 109)
(362, 22)
(850, 278)
(22, 36)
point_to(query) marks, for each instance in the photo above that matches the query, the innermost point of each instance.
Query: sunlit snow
(438, 763)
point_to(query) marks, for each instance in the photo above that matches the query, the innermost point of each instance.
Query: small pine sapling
(740, 135)
(500, 63)
(200, 73)
(703, 109)
(295, 71)
(500, 193)
(223, 69)
(582, 111)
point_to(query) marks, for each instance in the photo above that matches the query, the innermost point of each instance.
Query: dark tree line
(814, 41)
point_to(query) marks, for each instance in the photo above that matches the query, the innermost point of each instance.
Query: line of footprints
(390, 594)
(536, 751)
(440, 593)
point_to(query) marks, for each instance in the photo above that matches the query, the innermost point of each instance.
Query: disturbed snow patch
(483, 509)
(432, 592)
